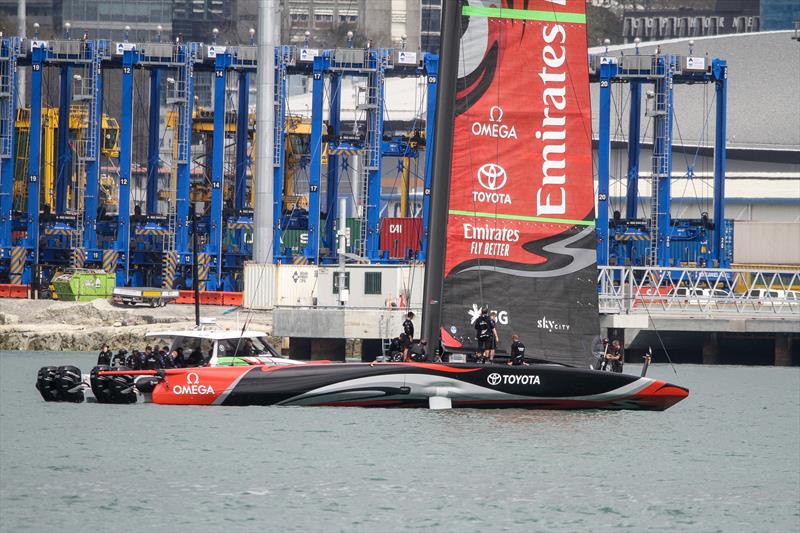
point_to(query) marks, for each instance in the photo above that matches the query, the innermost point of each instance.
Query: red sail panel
(521, 213)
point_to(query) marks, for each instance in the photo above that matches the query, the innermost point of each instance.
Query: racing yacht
(515, 232)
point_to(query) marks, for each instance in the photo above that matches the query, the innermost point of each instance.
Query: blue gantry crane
(658, 240)
(152, 246)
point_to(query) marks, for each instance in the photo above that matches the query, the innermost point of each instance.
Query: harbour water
(725, 459)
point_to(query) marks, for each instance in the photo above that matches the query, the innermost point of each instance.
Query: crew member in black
(408, 325)
(405, 346)
(177, 358)
(195, 358)
(517, 352)
(167, 359)
(104, 357)
(133, 361)
(495, 337)
(248, 349)
(417, 351)
(616, 356)
(119, 358)
(484, 332)
(150, 359)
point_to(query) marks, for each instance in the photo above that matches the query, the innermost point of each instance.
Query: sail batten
(520, 224)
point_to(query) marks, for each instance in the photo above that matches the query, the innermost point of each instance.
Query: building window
(323, 15)
(372, 282)
(299, 16)
(336, 282)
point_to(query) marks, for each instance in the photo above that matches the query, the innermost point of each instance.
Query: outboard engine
(112, 389)
(46, 383)
(146, 384)
(69, 384)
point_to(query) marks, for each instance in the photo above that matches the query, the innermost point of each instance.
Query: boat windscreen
(245, 347)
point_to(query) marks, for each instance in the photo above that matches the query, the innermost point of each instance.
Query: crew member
(177, 358)
(249, 349)
(616, 356)
(405, 346)
(517, 352)
(133, 361)
(484, 332)
(105, 355)
(150, 359)
(495, 336)
(144, 357)
(195, 358)
(408, 325)
(417, 351)
(119, 358)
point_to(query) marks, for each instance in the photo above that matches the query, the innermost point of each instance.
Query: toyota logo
(192, 378)
(492, 177)
(493, 378)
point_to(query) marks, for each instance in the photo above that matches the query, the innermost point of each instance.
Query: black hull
(413, 385)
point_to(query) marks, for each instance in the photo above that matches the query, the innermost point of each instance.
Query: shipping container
(296, 285)
(401, 237)
(259, 285)
(293, 241)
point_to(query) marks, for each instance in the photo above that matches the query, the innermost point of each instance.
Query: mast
(265, 131)
(440, 189)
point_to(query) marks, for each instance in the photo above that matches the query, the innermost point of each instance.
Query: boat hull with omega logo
(414, 385)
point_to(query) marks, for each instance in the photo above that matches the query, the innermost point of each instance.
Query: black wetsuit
(517, 353)
(408, 328)
(616, 366)
(417, 352)
(484, 332)
(104, 358)
(134, 360)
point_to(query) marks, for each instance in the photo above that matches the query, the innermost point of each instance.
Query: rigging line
(619, 135)
(658, 335)
(698, 197)
(249, 315)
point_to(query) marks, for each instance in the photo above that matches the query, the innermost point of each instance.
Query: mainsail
(520, 227)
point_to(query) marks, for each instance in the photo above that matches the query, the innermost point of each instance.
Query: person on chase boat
(104, 357)
(615, 356)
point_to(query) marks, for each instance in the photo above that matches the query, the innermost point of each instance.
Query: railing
(710, 291)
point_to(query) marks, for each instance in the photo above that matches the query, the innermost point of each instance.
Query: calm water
(725, 459)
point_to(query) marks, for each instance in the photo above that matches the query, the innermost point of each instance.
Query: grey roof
(763, 83)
